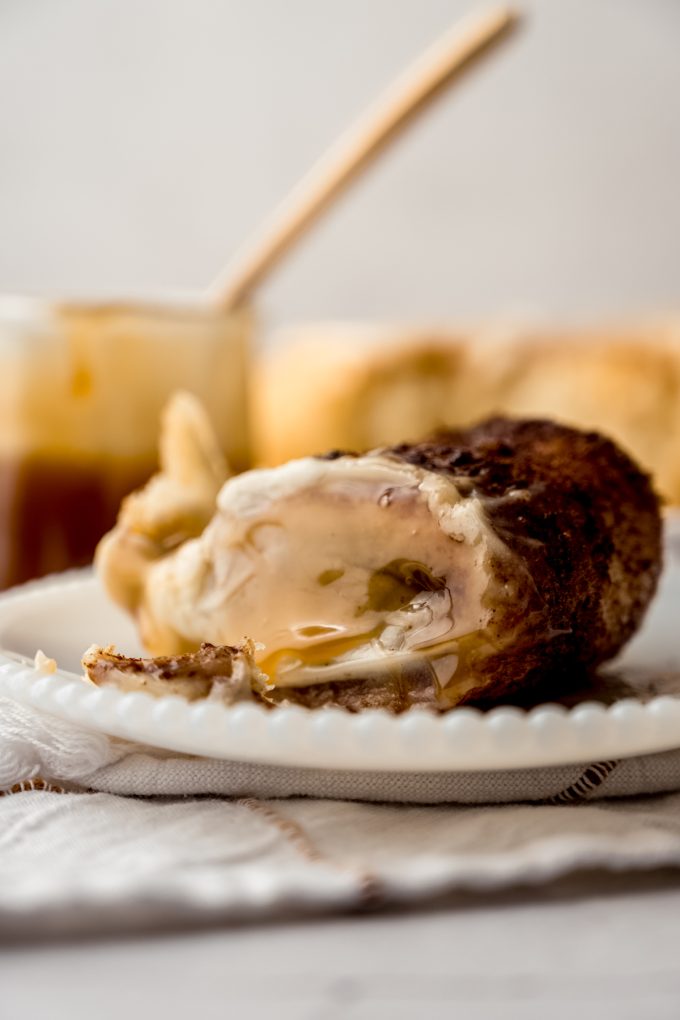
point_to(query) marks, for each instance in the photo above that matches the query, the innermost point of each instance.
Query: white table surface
(587, 947)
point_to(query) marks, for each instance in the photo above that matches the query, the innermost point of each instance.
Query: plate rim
(464, 739)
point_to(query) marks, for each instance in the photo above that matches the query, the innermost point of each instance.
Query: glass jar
(82, 386)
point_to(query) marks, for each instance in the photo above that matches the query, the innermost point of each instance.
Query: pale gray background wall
(142, 139)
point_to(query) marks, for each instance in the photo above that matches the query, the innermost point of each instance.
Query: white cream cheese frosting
(331, 567)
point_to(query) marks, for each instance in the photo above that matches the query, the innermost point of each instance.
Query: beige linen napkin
(99, 834)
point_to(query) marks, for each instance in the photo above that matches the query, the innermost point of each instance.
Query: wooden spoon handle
(443, 63)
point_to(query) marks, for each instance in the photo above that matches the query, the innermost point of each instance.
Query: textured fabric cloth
(35, 744)
(76, 861)
(97, 834)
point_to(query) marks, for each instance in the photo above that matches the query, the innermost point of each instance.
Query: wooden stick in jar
(443, 63)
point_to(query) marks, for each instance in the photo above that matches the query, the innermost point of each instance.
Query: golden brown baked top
(355, 386)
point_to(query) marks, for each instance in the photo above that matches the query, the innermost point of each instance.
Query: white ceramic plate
(65, 614)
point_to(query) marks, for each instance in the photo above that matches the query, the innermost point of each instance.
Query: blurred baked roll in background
(352, 386)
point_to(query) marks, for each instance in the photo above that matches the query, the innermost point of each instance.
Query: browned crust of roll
(583, 520)
(217, 671)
